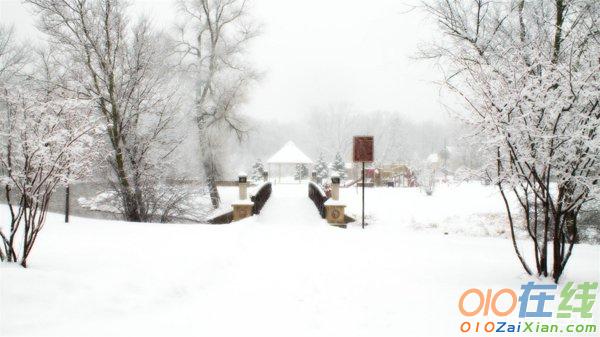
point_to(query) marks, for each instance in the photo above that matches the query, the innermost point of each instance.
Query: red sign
(362, 150)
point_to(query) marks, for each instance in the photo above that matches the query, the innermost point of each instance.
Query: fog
(317, 53)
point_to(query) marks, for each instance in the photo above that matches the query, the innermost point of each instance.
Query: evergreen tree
(301, 172)
(322, 169)
(258, 169)
(339, 166)
(444, 155)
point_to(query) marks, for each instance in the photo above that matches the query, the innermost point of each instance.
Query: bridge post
(243, 186)
(334, 209)
(335, 186)
(242, 208)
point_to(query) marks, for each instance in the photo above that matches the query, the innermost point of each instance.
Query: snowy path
(289, 204)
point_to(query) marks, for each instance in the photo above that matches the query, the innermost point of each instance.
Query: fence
(260, 197)
(316, 194)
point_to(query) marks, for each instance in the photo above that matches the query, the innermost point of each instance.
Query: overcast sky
(319, 53)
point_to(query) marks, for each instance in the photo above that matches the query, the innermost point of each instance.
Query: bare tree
(212, 45)
(124, 69)
(332, 128)
(529, 76)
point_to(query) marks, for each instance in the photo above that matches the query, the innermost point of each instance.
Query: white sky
(318, 53)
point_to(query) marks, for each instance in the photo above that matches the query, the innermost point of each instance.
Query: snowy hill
(262, 276)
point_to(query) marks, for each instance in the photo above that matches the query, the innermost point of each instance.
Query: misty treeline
(329, 130)
(106, 96)
(529, 75)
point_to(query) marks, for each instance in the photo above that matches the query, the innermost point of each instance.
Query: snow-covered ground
(468, 209)
(283, 273)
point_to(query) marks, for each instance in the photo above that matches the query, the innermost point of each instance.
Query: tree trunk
(212, 176)
(209, 146)
(131, 211)
(571, 226)
(557, 246)
(130, 208)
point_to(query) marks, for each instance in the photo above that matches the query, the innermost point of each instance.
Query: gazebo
(288, 155)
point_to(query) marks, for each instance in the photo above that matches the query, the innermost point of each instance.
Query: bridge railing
(261, 196)
(318, 197)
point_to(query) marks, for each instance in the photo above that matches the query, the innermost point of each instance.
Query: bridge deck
(289, 204)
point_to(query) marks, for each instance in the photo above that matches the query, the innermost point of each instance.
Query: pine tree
(301, 172)
(339, 166)
(322, 169)
(258, 170)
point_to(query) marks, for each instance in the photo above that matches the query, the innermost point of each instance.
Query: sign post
(362, 151)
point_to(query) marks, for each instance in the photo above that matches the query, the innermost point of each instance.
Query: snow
(318, 187)
(289, 154)
(331, 202)
(433, 158)
(285, 272)
(289, 205)
(245, 202)
(257, 188)
(104, 201)
(470, 208)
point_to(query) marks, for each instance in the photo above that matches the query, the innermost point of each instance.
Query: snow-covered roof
(289, 154)
(433, 158)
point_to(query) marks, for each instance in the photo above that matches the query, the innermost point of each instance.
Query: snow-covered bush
(49, 139)
(427, 180)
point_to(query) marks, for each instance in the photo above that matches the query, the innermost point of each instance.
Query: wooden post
(363, 151)
(67, 201)
(363, 194)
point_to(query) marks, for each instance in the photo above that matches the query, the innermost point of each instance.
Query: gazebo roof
(289, 154)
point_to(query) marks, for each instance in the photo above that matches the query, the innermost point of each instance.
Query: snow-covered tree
(212, 44)
(339, 166)
(427, 178)
(14, 56)
(529, 75)
(322, 169)
(444, 155)
(258, 170)
(122, 67)
(301, 171)
(48, 139)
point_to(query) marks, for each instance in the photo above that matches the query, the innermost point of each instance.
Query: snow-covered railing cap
(335, 178)
(318, 188)
(242, 178)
